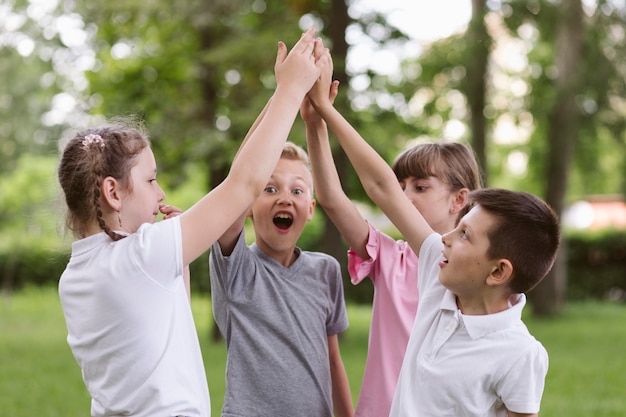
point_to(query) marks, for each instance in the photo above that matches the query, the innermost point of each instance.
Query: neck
(479, 306)
(286, 258)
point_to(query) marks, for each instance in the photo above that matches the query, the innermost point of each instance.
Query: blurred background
(537, 88)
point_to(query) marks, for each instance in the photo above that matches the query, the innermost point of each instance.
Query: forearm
(376, 176)
(257, 157)
(378, 179)
(342, 396)
(339, 208)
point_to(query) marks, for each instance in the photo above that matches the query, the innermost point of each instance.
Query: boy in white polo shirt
(469, 353)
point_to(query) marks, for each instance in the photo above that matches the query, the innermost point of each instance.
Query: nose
(161, 194)
(284, 198)
(444, 238)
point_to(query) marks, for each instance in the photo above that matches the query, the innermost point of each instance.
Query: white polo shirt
(458, 365)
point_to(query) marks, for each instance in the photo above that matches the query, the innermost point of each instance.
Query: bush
(596, 267)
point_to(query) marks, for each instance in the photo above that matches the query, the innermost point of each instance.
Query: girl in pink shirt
(436, 177)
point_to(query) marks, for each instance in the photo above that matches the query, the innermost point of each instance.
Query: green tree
(36, 82)
(576, 99)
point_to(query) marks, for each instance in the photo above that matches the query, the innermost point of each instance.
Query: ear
(460, 200)
(111, 192)
(309, 217)
(501, 273)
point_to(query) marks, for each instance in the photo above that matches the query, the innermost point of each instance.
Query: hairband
(93, 139)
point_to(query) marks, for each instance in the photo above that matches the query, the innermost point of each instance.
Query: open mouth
(283, 221)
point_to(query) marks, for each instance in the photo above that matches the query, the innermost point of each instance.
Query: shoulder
(319, 258)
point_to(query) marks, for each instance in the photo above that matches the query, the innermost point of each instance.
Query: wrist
(289, 93)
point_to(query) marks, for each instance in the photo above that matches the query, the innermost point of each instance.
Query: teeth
(282, 216)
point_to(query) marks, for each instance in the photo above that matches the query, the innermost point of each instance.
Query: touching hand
(309, 115)
(297, 68)
(325, 89)
(169, 211)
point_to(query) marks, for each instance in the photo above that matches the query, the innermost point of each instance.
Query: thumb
(334, 90)
(282, 53)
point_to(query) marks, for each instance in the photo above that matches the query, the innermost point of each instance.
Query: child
(280, 308)
(436, 178)
(469, 353)
(129, 321)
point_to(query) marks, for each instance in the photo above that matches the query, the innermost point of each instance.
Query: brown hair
(526, 232)
(88, 158)
(453, 163)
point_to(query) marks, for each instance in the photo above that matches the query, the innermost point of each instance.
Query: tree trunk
(549, 296)
(478, 56)
(217, 172)
(331, 241)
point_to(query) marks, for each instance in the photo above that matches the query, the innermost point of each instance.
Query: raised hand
(298, 67)
(324, 91)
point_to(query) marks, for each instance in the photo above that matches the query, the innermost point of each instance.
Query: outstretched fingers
(306, 43)
(298, 67)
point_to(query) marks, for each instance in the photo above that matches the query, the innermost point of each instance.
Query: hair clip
(93, 139)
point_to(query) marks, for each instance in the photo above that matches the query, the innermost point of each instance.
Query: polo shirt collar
(479, 326)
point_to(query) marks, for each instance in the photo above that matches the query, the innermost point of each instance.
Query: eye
(464, 234)
(270, 189)
(297, 191)
(420, 188)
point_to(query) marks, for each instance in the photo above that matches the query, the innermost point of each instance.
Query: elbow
(380, 191)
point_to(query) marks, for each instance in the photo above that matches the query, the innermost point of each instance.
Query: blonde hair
(293, 152)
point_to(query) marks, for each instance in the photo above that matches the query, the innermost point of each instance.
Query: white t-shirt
(458, 365)
(130, 325)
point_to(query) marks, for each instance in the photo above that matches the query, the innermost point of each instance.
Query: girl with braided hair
(123, 293)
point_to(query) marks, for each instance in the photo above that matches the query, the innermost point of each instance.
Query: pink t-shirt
(393, 271)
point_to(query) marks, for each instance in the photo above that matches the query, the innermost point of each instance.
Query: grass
(39, 377)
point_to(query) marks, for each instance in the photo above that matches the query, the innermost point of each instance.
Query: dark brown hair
(453, 163)
(88, 158)
(526, 232)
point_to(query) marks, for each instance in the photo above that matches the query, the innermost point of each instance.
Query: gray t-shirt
(276, 322)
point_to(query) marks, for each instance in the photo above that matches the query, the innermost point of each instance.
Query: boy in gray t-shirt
(280, 308)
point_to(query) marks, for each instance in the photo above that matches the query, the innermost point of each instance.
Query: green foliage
(29, 83)
(596, 266)
(28, 203)
(601, 142)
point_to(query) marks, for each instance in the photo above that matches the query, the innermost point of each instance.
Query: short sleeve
(360, 268)
(522, 387)
(388, 258)
(428, 268)
(157, 249)
(338, 319)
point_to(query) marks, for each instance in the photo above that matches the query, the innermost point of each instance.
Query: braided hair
(88, 158)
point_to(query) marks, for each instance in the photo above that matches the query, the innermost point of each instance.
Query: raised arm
(339, 208)
(210, 217)
(229, 239)
(378, 179)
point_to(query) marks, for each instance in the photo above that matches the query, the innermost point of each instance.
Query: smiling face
(282, 210)
(466, 266)
(140, 203)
